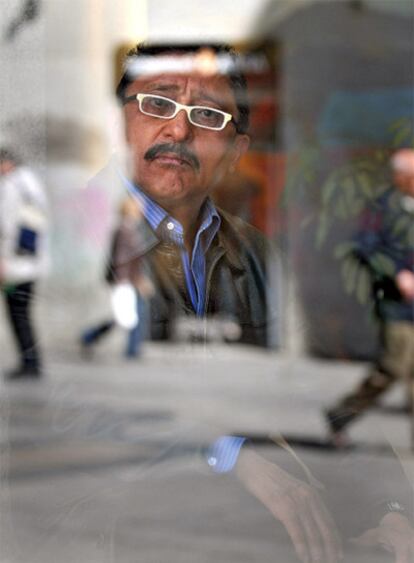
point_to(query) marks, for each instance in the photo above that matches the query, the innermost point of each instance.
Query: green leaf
(344, 248)
(349, 272)
(322, 230)
(363, 286)
(306, 221)
(365, 184)
(402, 136)
(328, 189)
(381, 155)
(401, 225)
(383, 264)
(349, 190)
(397, 123)
(410, 237)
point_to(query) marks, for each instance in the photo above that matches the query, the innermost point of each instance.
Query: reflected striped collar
(169, 228)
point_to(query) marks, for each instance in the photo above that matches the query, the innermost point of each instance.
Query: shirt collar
(152, 212)
(159, 219)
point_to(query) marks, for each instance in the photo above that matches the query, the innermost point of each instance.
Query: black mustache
(181, 150)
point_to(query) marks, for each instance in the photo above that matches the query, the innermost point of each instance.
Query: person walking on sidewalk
(23, 255)
(387, 238)
(125, 266)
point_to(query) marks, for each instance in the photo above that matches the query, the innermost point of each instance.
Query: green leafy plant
(344, 193)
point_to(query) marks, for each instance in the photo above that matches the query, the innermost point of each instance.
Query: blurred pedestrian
(23, 255)
(385, 247)
(129, 283)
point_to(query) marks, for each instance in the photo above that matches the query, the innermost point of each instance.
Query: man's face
(173, 177)
(405, 181)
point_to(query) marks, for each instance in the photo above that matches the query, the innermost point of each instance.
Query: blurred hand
(296, 505)
(395, 534)
(405, 283)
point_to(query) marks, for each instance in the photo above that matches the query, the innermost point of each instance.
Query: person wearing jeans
(23, 256)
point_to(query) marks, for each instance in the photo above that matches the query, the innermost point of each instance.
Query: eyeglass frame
(228, 118)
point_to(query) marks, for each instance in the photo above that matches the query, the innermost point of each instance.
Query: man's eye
(207, 117)
(159, 103)
(158, 106)
(207, 113)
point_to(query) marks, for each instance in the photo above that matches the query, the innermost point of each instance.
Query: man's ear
(239, 148)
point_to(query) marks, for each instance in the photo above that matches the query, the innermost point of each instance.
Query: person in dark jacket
(385, 247)
(185, 131)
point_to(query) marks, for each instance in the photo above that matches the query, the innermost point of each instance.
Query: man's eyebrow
(166, 87)
(161, 87)
(209, 98)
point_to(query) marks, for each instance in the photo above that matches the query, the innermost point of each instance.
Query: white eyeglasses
(164, 108)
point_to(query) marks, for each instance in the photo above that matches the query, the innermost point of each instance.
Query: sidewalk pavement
(104, 461)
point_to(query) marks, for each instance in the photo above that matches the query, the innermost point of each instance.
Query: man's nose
(179, 127)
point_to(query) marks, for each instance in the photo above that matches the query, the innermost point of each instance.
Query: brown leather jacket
(235, 280)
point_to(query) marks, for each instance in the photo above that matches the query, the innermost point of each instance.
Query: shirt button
(170, 226)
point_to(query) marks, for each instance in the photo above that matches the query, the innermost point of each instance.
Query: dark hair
(7, 154)
(236, 76)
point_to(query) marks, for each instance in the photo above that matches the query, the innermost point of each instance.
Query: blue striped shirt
(169, 229)
(222, 455)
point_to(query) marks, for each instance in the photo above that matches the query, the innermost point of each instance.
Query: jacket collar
(224, 240)
(148, 238)
(228, 242)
